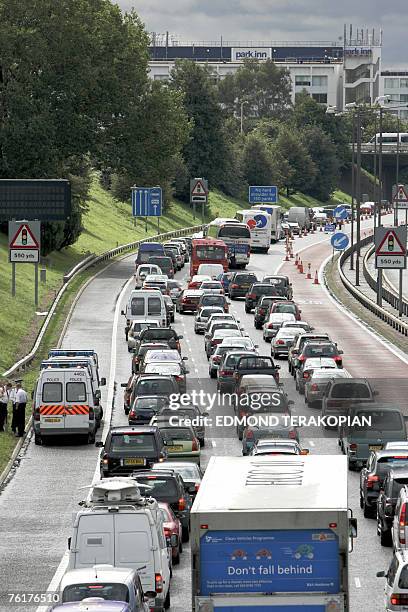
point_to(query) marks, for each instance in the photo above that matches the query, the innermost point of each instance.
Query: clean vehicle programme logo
(259, 221)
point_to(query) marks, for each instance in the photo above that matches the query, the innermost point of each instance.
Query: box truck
(272, 534)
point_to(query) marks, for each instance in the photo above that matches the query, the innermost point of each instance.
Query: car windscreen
(381, 420)
(132, 442)
(162, 488)
(109, 591)
(153, 386)
(176, 433)
(343, 390)
(319, 350)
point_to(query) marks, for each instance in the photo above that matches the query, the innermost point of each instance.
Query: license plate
(134, 461)
(375, 447)
(52, 420)
(176, 447)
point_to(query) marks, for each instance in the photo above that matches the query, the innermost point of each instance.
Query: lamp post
(358, 199)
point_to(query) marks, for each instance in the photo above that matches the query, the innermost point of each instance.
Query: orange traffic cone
(309, 274)
(300, 267)
(296, 260)
(291, 252)
(287, 255)
(316, 279)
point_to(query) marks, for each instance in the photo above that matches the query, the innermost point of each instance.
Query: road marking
(311, 443)
(357, 581)
(213, 443)
(196, 370)
(56, 579)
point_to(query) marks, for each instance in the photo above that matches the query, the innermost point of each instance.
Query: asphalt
(37, 504)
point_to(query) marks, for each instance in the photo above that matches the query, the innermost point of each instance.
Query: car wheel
(351, 466)
(37, 439)
(367, 511)
(247, 310)
(185, 534)
(385, 537)
(213, 373)
(268, 340)
(361, 501)
(202, 443)
(257, 326)
(167, 602)
(176, 559)
(91, 438)
(301, 390)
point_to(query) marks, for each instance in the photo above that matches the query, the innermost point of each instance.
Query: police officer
(12, 398)
(3, 407)
(21, 403)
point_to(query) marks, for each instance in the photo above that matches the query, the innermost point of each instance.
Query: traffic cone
(309, 274)
(300, 267)
(287, 255)
(291, 252)
(296, 260)
(316, 279)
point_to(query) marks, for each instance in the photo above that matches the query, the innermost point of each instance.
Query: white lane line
(196, 370)
(357, 581)
(351, 316)
(213, 443)
(311, 443)
(56, 579)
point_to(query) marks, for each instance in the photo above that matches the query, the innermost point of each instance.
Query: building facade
(394, 86)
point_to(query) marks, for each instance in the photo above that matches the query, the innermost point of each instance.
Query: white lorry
(276, 214)
(272, 533)
(300, 215)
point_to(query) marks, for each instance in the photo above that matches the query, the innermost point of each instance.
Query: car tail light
(178, 378)
(251, 296)
(371, 480)
(292, 434)
(353, 446)
(105, 459)
(197, 486)
(280, 342)
(262, 311)
(167, 532)
(181, 504)
(338, 359)
(217, 359)
(242, 413)
(270, 325)
(184, 300)
(250, 435)
(306, 375)
(226, 373)
(234, 286)
(37, 416)
(196, 445)
(178, 345)
(132, 414)
(91, 413)
(314, 387)
(301, 358)
(399, 599)
(158, 581)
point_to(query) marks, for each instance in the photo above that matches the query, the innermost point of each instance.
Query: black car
(379, 464)
(262, 309)
(165, 264)
(256, 291)
(161, 334)
(154, 384)
(167, 486)
(240, 283)
(172, 254)
(281, 283)
(190, 472)
(144, 407)
(261, 403)
(188, 415)
(387, 500)
(129, 448)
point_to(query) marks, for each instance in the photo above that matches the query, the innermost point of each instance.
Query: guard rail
(83, 265)
(372, 306)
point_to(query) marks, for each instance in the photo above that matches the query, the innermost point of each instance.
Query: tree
(263, 87)
(324, 156)
(257, 161)
(293, 161)
(207, 150)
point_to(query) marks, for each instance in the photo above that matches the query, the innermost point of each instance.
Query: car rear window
(320, 350)
(154, 386)
(245, 278)
(132, 442)
(177, 433)
(108, 590)
(397, 486)
(278, 282)
(261, 289)
(158, 334)
(212, 299)
(149, 403)
(76, 392)
(381, 420)
(264, 402)
(52, 392)
(403, 579)
(170, 368)
(350, 389)
(289, 308)
(137, 305)
(254, 363)
(162, 488)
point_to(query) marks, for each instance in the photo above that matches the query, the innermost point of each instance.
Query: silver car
(136, 329)
(316, 385)
(283, 340)
(202, 317)
(396, 583)
(272, 325)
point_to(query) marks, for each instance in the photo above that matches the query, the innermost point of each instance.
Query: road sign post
(390, 254)
(263, 194)
(24, 247)
(199, 194)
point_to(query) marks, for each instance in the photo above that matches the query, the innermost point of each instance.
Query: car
(285, 307)
(219, 316)
(283, 340)
(168, 368)
(219, 336)
(197, 279)
(165, 264)
(142, 350)
(142, 271)
(168, 486)
(225, 369)
(136, 329)
(283, 430)
(127, 394)
(172, 526)
(119, 587)
(184, 247)
(240, 283)
(186, 415)
(190, 472)
(395, 479)
(379, 463)
(213, 299)
(262, 309)
(371, 426)
(255, 292)
(253, 364)
(174, 252)
(341, 394)
(202, 316)
(281, 283)
(174, 289)
(323, 348)
(188, 301)
(306, 327)
(156, 281)
(273, 324)
(305, 370)
(182, 442)
(277, 447)
(316, 384)
(212, 286)
(217, 326)
(144, 408)
(225, 279)
(155, 384)
(294, 227)
(128, 448)
(295, 350)
(261, 403)
(396, 584)
(216, 358)
(166, 335)
(170, 308)
(239, 342)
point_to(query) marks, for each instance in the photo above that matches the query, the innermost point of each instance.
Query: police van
(63, 404)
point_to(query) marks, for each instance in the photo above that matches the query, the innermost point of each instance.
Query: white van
(117, 526)
(145, 304)
(144, 270)
(259, 223)
(211, 270)
(63, 404)
(300, 215)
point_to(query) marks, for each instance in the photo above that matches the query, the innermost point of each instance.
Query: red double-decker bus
(208, 251)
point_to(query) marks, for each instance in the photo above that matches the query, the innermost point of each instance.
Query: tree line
(75, 96)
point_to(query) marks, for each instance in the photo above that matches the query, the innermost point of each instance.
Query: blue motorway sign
(341, 212)
(263, 193)
(146, 201)
(339, 241)
(273, 561)
(329, 227)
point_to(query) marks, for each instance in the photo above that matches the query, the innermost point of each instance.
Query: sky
(278, 20)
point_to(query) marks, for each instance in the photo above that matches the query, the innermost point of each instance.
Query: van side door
(78, 402)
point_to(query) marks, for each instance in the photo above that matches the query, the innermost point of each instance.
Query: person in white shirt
(21, 402)
(3, 407)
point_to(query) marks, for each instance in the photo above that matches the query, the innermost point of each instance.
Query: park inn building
(334, 73)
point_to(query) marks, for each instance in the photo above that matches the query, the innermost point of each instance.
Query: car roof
(368, 406)
(398, 472)
(96, 574)
(391, 452)
(133, 429)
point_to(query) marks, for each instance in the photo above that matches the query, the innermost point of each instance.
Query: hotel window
(302, 80)
(320, 97)
(404, 83)
(391, 83)
(319, 81)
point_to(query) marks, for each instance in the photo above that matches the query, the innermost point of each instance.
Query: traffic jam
(222, 360)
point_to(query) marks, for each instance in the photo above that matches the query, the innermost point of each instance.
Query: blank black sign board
(29, 199)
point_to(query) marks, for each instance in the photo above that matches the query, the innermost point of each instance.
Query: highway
(36, 505)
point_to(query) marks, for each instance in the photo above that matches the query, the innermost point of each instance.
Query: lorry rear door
(51, 401)
(134, 546)
(94, 540)
(78, 402)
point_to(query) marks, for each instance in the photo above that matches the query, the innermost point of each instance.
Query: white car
(212, 287)
(272, 325)
(153, 281)
(144, 270)
(202, 316)
(283, 340)
(197, 279)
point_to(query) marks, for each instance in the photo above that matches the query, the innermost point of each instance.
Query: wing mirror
(185, 358)
(122, 312)
(103, 382)
(304, 451)
(180, 337)
(99, 444)
(381, 574)
(124, 384)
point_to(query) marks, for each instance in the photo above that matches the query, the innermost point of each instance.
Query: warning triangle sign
(24, 239)
(199, 189)
(401, 195)
(391, 245)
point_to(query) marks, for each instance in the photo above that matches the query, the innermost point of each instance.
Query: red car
(188, 301)
(288, 307)
(172, 526)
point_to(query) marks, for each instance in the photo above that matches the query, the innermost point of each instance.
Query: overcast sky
(278, 20)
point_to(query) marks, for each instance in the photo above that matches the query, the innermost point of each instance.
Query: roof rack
(115, 490)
